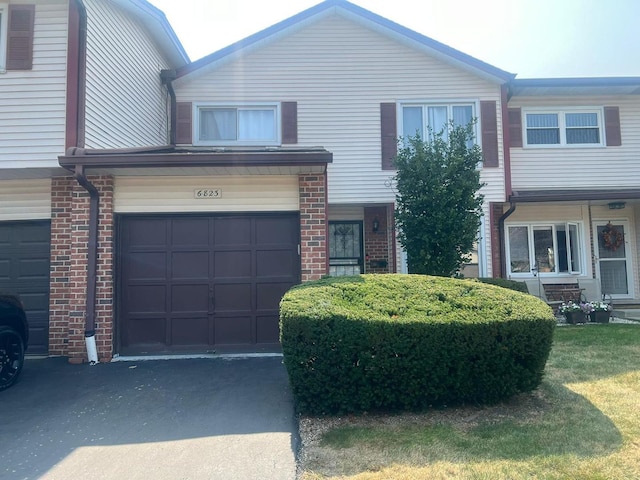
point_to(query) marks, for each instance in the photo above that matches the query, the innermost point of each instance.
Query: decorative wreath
(613, 238)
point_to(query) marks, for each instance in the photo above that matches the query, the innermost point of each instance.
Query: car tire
(11, 356)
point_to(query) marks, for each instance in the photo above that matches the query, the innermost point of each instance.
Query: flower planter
(574, 317)
(600, 317)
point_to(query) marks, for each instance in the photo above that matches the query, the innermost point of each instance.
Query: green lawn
(582, 423)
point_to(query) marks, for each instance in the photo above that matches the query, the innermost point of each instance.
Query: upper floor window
(429, 119)
(545, 249)
(563, 128)
(256, 124)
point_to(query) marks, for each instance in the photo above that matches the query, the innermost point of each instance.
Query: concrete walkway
(172, 419)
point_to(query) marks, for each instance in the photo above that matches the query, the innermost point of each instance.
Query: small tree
(438, 207)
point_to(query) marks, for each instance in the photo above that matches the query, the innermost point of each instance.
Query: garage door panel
(268, 295)
(267, 329)
(147, 233)
(232, 231)
(146, 299)
(190, 298)
(233, 330)
(274, 263)
(34, 268)
(190, 331)
(5, 269)
(274, 231)
(146, 266)
(190, 232)
(190, 265)
(146, 331)
(233, 297)
(232, 264)
(24, 271)
(225, 276)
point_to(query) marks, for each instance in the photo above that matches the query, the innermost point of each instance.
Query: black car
(14, 335)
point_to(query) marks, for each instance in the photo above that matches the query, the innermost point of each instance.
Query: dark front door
(204, 283)
(24, 271)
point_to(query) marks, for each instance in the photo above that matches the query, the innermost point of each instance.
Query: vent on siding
(388, 135)
(489, 122)
(20, 37)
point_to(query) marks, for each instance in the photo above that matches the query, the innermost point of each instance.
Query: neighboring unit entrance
(203, 283)
(24, 270)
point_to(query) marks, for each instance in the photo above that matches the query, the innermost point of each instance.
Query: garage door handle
(212, 300)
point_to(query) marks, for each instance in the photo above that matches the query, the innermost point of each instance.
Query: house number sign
(203, 193)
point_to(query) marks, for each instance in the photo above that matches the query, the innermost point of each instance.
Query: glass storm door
(614, 258)
(345, 248)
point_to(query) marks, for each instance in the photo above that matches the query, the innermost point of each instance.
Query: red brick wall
(61, 204)
(313, 226)
(378, 246)
(77, 285)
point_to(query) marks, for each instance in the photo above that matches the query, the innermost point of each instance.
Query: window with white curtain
(563, 128)
(428, 119)
(554, 249)
(242, 125)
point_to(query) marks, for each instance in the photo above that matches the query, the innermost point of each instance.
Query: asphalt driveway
(163, 419)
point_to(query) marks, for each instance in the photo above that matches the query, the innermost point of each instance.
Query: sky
(531, 38)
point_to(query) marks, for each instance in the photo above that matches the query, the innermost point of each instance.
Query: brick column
(313, 226)
(104, 273)
(378, 246)
(61, 201)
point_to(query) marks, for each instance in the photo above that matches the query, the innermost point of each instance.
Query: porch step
(627, 313)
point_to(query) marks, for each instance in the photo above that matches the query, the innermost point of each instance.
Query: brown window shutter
(515, 127)
(289, 112)
(612, 126)
(489, 123)
(20, 37)
(183, 123)
(388, 135)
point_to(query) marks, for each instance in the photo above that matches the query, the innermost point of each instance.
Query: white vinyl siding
(576, 166)
(126, 104)
(339, 72)
(33, 102)
(25, 199)
(260, 193)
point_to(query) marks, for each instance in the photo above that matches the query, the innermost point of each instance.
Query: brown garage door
(204, 283)
(24, 270)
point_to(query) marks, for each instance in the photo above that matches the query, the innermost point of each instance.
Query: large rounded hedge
(408, 342)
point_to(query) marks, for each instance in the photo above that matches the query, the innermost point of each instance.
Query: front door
(613, 258)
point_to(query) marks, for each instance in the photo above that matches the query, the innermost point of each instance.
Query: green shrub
(408, 342)
(505, 283)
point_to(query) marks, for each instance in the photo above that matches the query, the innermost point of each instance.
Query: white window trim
(4, 10)
(446, 102)
(561, 112)
(227, 143)
(530, 227)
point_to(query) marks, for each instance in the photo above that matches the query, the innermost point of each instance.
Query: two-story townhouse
(281, 171)
(73, 73)
(573, 190)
